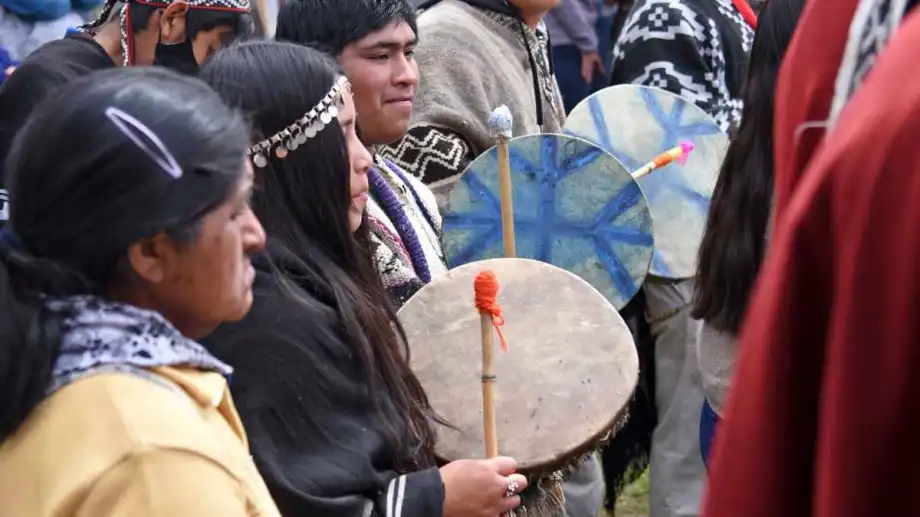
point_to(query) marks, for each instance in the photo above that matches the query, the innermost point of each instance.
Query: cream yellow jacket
(115, 444)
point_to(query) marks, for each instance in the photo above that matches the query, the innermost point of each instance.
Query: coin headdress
(304, 128)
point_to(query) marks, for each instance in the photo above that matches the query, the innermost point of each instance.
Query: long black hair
(87, 183)
(303, 202)
(735, 238)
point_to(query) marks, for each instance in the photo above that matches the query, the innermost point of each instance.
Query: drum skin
(636, 124)
(575, 206)
(568, 375)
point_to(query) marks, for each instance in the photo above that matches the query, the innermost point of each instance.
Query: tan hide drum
(563, 385)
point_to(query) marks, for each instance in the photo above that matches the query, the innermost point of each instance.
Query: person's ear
(173, 23)
(149, 259)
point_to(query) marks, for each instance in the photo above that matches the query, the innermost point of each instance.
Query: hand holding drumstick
(489, 488)
(485, 488)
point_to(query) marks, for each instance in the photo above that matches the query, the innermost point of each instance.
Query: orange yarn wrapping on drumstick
(486, 288)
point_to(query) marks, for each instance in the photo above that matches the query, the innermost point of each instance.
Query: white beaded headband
(305, 128)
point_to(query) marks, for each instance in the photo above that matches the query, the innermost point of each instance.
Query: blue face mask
(179, 57)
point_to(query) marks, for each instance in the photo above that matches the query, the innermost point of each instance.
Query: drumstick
(679, 153)
(490, 317)
(500, 124)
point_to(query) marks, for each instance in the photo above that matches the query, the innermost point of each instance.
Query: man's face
(384, 77)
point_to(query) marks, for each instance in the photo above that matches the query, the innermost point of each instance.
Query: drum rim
(605, 91)
(564, 461)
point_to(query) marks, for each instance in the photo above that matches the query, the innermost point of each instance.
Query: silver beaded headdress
(305, 128)
(127, 35)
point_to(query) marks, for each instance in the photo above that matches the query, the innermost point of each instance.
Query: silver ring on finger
(512, 488)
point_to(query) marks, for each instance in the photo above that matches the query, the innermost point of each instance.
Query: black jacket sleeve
(419, 494)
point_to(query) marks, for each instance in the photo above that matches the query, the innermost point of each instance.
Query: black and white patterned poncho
(694, 48)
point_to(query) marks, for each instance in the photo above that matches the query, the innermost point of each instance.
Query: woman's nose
(253, 233)
(364, 160)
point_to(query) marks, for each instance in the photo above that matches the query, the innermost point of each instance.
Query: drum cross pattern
(635, 124)
(575, 206)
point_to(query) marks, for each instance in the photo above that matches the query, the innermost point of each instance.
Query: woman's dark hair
(87, 180)
(735, 238)
(303, 202)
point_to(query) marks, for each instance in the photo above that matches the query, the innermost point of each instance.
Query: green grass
(633, 501)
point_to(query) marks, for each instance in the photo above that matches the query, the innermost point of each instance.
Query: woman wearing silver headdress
(339, 424)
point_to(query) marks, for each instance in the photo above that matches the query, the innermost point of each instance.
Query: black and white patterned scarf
(103, 336)
(693, 48)
(874, 22)
(397, 249)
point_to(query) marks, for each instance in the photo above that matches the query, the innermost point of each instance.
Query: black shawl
(307, 410)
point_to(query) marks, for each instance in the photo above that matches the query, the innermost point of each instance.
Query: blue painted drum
(575, 206)
(637, 123)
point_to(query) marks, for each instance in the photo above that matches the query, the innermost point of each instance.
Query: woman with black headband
(130, 240)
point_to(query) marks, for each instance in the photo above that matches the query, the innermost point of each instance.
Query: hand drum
(564, 384)
(575, 206)
(637, 123)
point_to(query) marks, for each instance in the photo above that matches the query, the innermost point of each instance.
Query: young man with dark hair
(178, 34)
(374, 41)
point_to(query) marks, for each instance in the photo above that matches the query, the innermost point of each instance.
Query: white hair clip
(138, 132)
(297, 134)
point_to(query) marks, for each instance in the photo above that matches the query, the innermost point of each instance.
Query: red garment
(805, 88)
(824, 414)
(746, 11)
